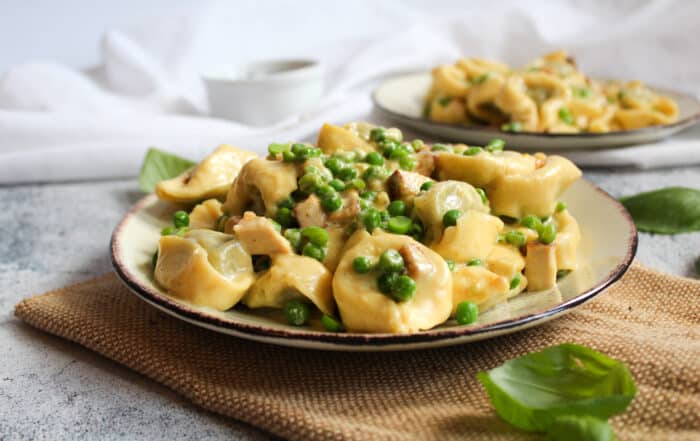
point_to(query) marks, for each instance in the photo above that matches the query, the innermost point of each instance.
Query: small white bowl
(264, 92)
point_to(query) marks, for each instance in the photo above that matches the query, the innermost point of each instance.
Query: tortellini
(204, 267)
(372, 233)
(363, 308)
(211, 178)
(548, 95)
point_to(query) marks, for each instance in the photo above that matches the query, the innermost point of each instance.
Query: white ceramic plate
(401, 99)
(609, 242)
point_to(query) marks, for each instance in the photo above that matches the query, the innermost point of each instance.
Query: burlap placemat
(650, 320)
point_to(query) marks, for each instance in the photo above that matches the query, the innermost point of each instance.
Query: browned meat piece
(425, 162)
(416, 261)
(231, 222)
(310, 213)
(403, 184)
(259, 236)
(349, 211)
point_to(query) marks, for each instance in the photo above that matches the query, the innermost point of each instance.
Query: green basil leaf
(159, 165)
(530, 392)
(586, 428)
(666, 211)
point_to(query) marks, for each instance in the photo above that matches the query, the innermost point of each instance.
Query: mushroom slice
(260, 185)
(292, 277)
(333, 139)
(540, 266)
(206, 214)
(259, 236)
(478, 285)
(431, 205)
(535, 192)
(205, 267)
(473, 237)
(363, 308)
(211, 178)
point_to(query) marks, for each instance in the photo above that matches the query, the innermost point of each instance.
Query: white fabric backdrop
(57, 123)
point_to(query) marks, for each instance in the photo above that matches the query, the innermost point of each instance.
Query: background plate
(608, 245)
(401, 98)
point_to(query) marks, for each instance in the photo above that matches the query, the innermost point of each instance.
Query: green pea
(374, 158)
(167, 231)
(332, 202)
(561, 206)
(472, 151)
(390, 261)
(495, 145)
(371, 219)
(426, 185)
(316, 235)
(514, 127)
(293, 235)
(396, 208)
(581, 92)
(181, 219)
(444, 101)
(388, 147)
(566, 116)
(377, 134)
(440, 148)
(154, 259)
(482, 78)
(276, 148)
(401, 151)
(287, 202)
(276, 225)
(362, 264)
(417, 144)
(467, 313)
(310, 182)
(515, 282)
(331, 324)
(475, 262)
(374, 172)
(288, 156)
(450, 264)
(313, 251)
(450, 218)
(334, 165)
(482, 195)
(417, 231)
(399, 225)
(324, 190)
(532, 222)
(407, 163)
(368, 195)
(516, 238)
(548, 233)
(296, 312)
(386, 281)
(285, 217)
(300, 150)
(347, 173)
(403, 288)
(337, 184)
(358, 184)
(181, 231)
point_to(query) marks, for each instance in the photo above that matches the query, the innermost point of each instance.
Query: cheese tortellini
(548, 95)
(373, 233)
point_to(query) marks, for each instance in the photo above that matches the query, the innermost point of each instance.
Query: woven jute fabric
(649, 320)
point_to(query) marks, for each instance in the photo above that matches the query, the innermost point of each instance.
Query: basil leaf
(530, 392)
(586, 428)
(159, 165)
(665, 211)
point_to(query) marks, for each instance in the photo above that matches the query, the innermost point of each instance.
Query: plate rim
(356, 340)
(685, 122)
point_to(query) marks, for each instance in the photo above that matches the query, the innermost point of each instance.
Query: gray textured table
(53, 235)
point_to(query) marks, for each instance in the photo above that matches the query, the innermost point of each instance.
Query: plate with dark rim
(400, 98)
(608, 246)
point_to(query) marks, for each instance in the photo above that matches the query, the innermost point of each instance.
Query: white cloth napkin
(59, 124)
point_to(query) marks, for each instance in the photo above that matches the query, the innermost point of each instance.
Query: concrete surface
(53, 235)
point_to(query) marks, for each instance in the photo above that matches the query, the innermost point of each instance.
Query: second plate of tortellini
(367, 232)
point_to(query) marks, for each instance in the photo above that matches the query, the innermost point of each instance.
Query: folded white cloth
(60, 124)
